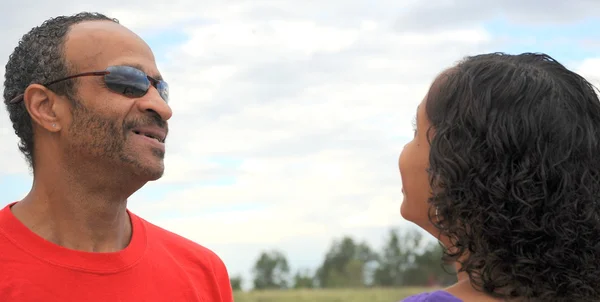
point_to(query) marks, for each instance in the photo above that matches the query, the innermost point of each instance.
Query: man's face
(105, 126)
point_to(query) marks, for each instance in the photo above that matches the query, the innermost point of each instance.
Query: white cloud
(444, 14)
(314, 101)
(590, 69)
(11, 160)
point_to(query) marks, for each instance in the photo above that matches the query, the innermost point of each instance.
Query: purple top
(435, 296)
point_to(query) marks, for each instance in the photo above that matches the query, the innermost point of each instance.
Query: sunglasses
(125, 80)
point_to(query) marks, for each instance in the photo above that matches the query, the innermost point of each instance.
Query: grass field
(330, 295)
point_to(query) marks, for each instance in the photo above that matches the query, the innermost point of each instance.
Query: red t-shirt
(157, 265)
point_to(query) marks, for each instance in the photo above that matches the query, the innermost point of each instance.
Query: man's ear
(42, 106)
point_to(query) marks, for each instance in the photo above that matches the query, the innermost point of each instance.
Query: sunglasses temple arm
(19, 97)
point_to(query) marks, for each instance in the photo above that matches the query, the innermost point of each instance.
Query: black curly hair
(39, 58)
(515, 174)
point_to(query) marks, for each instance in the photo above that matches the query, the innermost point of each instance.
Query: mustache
(146, 121)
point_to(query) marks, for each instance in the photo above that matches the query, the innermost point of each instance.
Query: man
(90, 108)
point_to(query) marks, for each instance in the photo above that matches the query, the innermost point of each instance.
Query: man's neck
(70, 212)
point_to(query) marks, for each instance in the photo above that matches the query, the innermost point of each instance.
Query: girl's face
(413, 164)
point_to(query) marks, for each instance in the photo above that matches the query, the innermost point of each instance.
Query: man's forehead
(99, 44)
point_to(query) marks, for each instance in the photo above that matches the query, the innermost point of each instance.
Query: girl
(504, 168)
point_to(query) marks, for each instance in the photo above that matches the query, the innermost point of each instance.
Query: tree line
(406, 259)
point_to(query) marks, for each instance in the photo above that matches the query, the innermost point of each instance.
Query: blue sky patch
(564, 42)
(228, 162)
(14, 187)
(164, 41)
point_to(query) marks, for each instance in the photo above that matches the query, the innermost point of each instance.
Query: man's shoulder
(178, 244)
(197, 260)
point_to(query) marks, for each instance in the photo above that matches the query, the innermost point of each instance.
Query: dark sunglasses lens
(163, 90)
(127, 81)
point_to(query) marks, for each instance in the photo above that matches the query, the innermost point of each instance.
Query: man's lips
(156, 133)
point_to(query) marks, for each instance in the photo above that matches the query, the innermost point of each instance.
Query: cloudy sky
(289, 116)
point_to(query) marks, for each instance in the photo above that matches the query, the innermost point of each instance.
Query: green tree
(345, 264)
(430, 262)
(389, 271)
(303, 279)
(409, 258)
(271, 271)
(236, 283)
